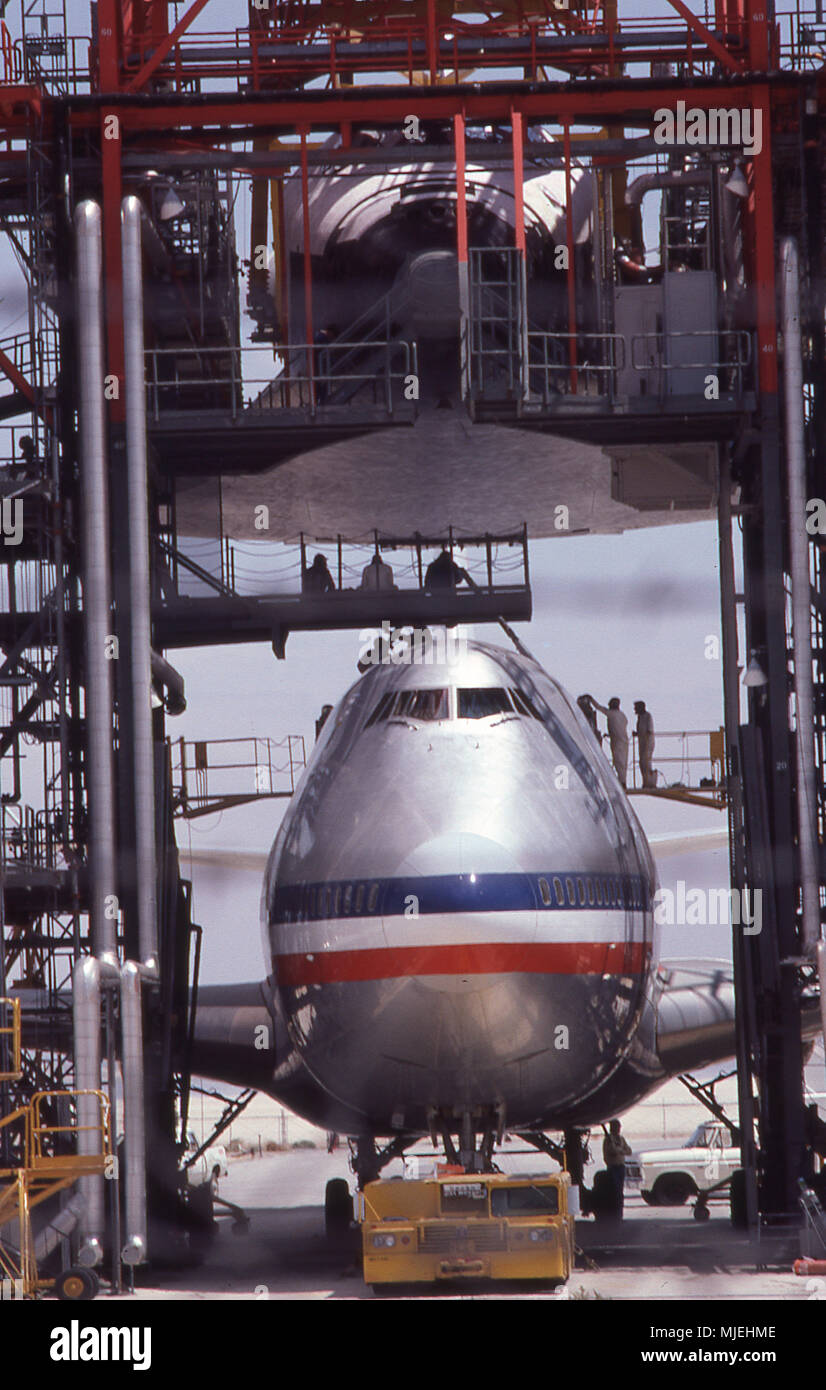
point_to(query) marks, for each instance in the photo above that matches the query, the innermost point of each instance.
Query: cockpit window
(481, 703)
(382, 709)
(410, 704)
(524, 704)
(422, 704)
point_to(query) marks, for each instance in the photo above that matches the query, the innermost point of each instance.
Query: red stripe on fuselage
(529, 958)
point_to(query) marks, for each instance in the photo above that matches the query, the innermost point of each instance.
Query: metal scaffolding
(176, 121)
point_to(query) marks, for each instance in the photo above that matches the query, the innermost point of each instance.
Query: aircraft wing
(237, 1040)
(695, 1015)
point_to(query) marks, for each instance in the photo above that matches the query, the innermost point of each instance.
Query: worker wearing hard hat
(617, 736)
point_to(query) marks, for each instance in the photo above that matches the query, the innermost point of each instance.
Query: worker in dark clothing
(321, 360)
(444, 573)
(317, 577)
(645, 740)
(28, 466)
(615, 1150)
(589, 709)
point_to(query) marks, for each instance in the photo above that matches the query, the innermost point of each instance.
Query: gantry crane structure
(159, 107)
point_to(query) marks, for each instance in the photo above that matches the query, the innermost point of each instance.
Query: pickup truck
(669, 1177)
(208, 1167)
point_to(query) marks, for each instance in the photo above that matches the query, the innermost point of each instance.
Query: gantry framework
(152, 105)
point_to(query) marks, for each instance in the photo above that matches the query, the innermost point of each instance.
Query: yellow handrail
(12, 1030)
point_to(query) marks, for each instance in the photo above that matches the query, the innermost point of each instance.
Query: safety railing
(28, 838)
(607, 364)
(729, 355)
(553, 33)
(368, 565)
(218, 773)
(11, 1064)
(308, 377)
(689, 760)
(491, 562)
(586, 363)
(12, 56)
(44, 1139)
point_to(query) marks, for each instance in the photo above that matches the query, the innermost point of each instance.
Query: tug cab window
(534, 1201)
(483, 702)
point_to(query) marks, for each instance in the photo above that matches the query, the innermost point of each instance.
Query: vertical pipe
(86, 1021)
(806, 788)
(744, 1004)
(571, 267)
(308, 264)
(462, 255)
(96, 584)
(519, 235)
(134, 1249)
(518, 181)
(432, 41)
(143, 768)
(761, 217)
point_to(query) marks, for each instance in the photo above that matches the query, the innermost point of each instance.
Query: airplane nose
(465, 902)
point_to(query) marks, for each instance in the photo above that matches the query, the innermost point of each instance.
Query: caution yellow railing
(10, 1008)
(44, 1172)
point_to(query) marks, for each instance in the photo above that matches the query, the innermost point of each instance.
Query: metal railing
(28, 838)
(216, 774)
(687, 768)
(251, 58)
(310, 377)
(733, 346)
(599, 356)
(11, 1055)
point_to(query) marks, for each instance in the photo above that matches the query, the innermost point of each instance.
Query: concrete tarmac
(283, 1254)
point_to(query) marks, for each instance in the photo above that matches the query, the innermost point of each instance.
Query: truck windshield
(510, 1201)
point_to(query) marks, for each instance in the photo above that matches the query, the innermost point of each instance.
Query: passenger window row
(592, 890)
(309, 902)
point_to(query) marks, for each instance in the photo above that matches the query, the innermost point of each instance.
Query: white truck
(669, 1177)
(208, 1166)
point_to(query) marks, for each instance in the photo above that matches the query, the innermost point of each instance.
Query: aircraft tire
(338, 1208)
(737, 1200)
(76, 1285)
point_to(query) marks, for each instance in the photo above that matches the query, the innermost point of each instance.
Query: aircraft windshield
(483, 702)
(410, 704)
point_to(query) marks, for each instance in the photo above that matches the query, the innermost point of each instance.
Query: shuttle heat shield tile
(443, 470)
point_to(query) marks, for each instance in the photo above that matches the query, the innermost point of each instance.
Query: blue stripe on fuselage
(446, 893)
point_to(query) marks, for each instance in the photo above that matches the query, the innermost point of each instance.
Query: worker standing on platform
(443, 572)
(377, 574)
(617, 735)
(615, 1150)
(317, 578)
(645, 737)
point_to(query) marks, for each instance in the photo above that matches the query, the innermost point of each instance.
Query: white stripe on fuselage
(458, 929)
